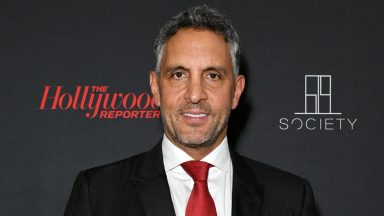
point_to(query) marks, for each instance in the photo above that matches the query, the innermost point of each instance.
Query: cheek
(221, 100)
(170, 97)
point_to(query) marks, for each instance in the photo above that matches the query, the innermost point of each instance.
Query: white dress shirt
(220, 176)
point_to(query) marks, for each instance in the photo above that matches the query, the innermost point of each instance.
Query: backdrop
(74, 95)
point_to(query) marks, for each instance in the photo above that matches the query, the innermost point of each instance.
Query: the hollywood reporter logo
(97, 102)
(318, 114)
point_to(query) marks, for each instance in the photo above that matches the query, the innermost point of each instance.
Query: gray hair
(200, 17)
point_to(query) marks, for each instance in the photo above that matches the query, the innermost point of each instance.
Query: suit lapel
(247, 195)
(152, 185)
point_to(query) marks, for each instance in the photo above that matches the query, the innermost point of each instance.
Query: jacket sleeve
(79, 200)
(308, 207)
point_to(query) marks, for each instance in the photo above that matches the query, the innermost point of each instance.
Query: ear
(239, 88)
(153, 82)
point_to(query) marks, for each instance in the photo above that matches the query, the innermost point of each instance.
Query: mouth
(195, 115)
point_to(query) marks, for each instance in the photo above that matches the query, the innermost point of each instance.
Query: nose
(195, 90)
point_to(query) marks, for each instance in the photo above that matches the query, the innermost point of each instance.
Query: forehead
(191, 46)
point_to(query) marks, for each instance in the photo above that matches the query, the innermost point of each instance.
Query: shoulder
(268, 176)
(111, 174)
(103, 184)
(281, 190)
(124, 170)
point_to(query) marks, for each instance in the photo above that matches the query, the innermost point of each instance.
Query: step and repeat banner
(75, 94)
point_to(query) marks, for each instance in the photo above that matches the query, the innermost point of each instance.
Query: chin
(195, 142)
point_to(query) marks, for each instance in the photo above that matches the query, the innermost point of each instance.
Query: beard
(192, 136)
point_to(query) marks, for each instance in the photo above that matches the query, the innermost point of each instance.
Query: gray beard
(178, 139)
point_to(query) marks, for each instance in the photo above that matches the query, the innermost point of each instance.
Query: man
(191, 170)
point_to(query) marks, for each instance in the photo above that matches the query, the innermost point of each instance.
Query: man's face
(196, 88)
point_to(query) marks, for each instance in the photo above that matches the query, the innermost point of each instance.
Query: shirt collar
(174, 156)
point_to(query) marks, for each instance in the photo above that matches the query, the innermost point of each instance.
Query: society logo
(318, 113)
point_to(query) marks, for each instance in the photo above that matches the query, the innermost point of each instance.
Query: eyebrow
(173, 68)
(218, 69)
(209, 68)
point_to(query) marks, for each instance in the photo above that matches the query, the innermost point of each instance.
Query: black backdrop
(109, 43)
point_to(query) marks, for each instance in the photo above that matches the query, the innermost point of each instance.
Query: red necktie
(200, 202)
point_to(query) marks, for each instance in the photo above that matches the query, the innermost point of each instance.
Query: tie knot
(198, 170)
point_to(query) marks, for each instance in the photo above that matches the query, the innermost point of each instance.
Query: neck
(198, 153)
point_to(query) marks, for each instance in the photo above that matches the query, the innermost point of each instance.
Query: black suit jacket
(138, 186)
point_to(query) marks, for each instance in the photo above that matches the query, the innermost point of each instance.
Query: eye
(178, 75)
(214, 76)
